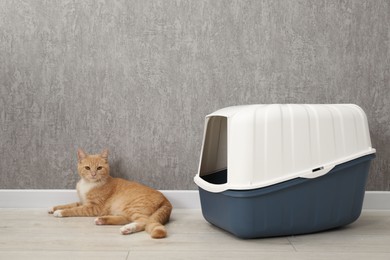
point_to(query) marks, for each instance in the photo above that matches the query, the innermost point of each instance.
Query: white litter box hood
(262, 145)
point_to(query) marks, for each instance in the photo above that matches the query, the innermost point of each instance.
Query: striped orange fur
(116, 201)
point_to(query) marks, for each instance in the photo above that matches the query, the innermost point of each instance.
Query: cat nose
(93, 174)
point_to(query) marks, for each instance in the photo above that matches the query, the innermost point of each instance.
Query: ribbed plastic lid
(262, 145)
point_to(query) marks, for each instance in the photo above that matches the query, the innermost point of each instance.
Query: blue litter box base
(293, 207)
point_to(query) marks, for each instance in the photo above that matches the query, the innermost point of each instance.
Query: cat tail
(155, 226)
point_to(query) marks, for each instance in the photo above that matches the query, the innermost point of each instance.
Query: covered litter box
(272, 170)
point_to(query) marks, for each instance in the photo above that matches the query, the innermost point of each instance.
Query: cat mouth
(93, 178)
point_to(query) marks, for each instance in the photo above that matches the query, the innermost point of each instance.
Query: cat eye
(99, 168)
(87, 168)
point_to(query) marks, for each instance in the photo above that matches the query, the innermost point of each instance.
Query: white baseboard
(180, 199)
(377, 200)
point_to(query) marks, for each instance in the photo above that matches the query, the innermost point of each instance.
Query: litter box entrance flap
(260, 145)
(214, 151)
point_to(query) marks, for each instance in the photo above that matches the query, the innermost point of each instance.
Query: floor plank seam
(292, 244)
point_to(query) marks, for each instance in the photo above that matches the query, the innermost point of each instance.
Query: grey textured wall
(138, 77)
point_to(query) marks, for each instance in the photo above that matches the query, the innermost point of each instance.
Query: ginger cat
(116, 201)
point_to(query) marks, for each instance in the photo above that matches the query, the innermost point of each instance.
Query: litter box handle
(215, 188)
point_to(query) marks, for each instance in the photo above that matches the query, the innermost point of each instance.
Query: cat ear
(81, 154)
(104, 154)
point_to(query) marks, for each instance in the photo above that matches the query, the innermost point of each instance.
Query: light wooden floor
(33, 234)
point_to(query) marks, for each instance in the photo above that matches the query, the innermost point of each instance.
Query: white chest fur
(83, 187)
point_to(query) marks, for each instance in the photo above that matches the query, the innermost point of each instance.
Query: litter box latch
(317, 172)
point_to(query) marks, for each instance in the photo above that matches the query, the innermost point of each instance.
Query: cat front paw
(50, 210)
(100, 221)
(57, 213)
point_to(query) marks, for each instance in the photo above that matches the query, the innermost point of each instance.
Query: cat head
(93, 168)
